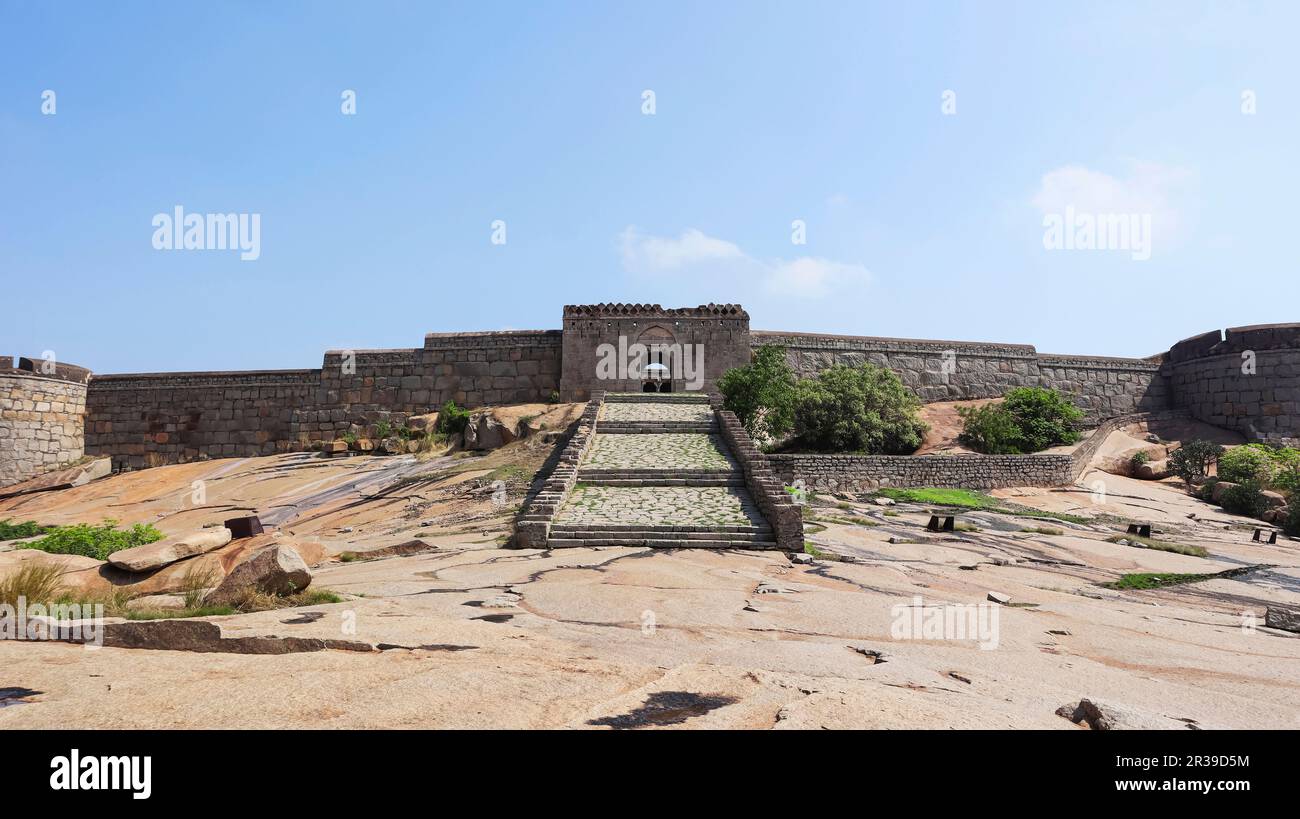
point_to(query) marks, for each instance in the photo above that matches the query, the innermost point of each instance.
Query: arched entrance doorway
(657, 375)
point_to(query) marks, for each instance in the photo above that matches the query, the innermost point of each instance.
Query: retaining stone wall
(958, 370)
(1246, 378)
(41, 422)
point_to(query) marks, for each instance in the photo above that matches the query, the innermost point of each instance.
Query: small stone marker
(999, 597)
(1140, 529)
(246, 526)
(947, 524)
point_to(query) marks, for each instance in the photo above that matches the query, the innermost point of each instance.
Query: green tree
(1250, 462)
(761, 394)
(863, 409)
(1192, 460)
(1029, 419)
(452, 419)
(989, 429)
(1046, 418)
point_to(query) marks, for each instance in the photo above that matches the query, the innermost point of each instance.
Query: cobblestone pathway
(664, 450)
(614, 502)
(624, 411)
(659, 506)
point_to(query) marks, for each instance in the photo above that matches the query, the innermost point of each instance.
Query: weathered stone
(1218, 488)
(1153, 470)
(152, 556)
(275, 570)
(1282, 618)
(999, 597)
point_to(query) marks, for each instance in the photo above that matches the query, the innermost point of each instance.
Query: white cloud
(1148, 188)
(814, 277)
(695, 253)
(656, 253)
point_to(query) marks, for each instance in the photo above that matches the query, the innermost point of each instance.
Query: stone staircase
(658, 472)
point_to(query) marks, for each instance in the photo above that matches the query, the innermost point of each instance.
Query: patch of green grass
(1161, 545)
(509, 473)
(943, 497)
(818, 553)
(94, 541)
(28, 528)
(812, 527)
(852, 520)
(890, 513)
(169, 614)
(1155, 580)
(970, 499)
(1042, 530)
(348, 557)
(960, 526)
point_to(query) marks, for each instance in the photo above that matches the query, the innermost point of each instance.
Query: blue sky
(376, 227)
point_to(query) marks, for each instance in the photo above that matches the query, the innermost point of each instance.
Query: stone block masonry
(863, 473)
(157, 418)
(42, 418)
(1244, 378)
(961, 370)
(153, 419)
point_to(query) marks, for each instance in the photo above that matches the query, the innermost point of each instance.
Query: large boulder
(1218, 488)
(1273, 499)
(485, 431)
(152, 556)
(1277, 516)
(423, 423)
(276, 569)
(1153, 470)
(1110, 716)
(1285, 619)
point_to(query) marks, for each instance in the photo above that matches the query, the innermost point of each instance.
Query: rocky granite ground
(460, 632)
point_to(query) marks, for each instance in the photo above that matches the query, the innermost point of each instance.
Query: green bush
(862, 409)
(1292, 524)
(1242, 464)
(28, 528)
(761, 394)
(1192, 460)
(989, 429)
(1286, 472)
(1244, 499)
(94, 541)
(1029, 419)
(1046, 417)
(452, 419)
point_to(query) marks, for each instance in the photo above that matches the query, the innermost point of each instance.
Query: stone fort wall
(1242, 378)
(715, 335)
(961, 370)
(42, 417)
(147, 419)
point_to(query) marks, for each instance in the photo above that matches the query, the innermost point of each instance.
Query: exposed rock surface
(152, 556)
(275, 569)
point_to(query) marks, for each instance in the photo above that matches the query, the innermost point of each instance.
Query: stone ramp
(659, 473)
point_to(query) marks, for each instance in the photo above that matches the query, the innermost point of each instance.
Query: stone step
(569, 528)
(604, 481)
(651, 427)
(596, 533)
(665, 543)
(590, 475)
(656, 398)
